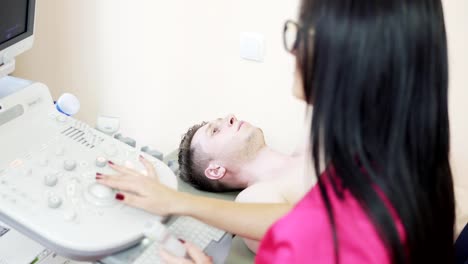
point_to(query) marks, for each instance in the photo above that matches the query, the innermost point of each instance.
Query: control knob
(101, 162)
(69, 165)
(50, 180)
(54, 201)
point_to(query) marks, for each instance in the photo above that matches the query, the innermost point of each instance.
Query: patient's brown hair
(193, 162)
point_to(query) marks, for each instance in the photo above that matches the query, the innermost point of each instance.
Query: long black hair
(376, 74)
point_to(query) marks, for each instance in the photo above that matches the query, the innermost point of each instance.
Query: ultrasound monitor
(16, 31)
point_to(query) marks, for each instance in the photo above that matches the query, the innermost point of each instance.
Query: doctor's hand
(196, 255)
(139, 190)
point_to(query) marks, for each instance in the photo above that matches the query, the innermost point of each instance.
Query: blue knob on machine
(68, 104)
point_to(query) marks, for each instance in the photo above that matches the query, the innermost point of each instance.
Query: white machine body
(48, 191)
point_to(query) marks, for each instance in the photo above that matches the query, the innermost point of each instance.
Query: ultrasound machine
(50, 203)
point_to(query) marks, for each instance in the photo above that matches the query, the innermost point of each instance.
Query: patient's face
(230, 141)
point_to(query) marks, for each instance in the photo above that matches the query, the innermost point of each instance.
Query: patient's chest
(280, 190)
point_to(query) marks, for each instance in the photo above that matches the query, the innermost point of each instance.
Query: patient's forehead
(200, 136)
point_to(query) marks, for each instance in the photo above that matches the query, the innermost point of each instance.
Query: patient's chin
(256, 138)
(254, 143)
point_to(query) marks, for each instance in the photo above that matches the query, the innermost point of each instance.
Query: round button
(100, 195)
(50, 180)
(69, 165)
(54, 201)
(111, 150)
(101, 162)
(100, 191)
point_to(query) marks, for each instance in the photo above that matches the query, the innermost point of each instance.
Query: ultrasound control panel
(48, 190)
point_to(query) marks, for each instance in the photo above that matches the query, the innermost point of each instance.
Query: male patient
(229, 154)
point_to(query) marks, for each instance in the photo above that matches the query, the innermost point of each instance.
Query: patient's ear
(215, 172)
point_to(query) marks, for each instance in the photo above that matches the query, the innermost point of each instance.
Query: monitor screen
(16, 21)
(14, 18)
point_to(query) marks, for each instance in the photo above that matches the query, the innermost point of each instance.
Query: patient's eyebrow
(210, 125)
(208, 128)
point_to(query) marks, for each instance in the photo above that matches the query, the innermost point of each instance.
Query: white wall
(457, 30)
(162, 66)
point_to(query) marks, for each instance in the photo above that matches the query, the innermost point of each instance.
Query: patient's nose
(230, 120)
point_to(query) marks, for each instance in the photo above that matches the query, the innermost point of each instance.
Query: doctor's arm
(248, 220)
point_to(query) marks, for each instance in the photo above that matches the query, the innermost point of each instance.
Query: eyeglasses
(292, 35)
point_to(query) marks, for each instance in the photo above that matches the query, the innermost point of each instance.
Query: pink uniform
(304, 235)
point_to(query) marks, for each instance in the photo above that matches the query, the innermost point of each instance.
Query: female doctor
(376, 75)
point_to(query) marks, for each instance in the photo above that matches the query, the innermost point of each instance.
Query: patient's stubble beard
(254, 143)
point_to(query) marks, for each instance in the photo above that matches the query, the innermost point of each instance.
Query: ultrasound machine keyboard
(48, 191)
(184, 227)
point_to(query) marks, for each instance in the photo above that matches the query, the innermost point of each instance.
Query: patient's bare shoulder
(263, 192)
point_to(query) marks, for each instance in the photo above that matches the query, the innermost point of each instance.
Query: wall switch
(252, 46)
